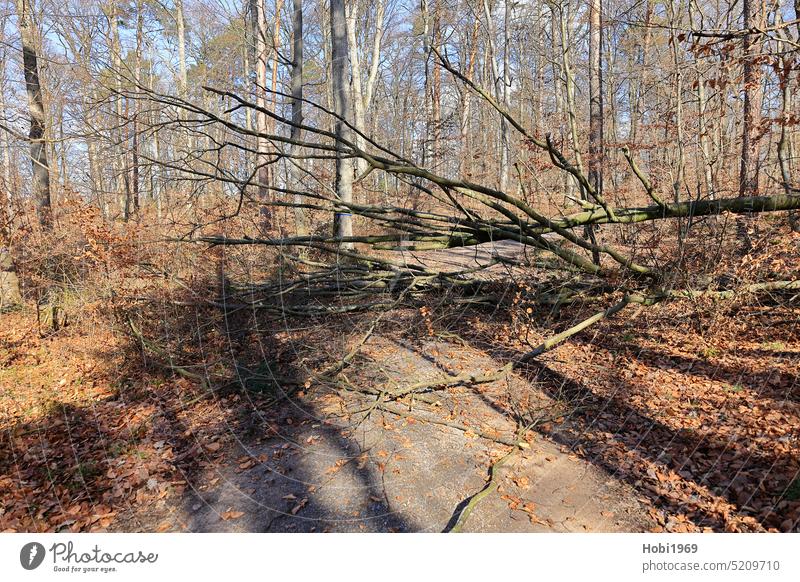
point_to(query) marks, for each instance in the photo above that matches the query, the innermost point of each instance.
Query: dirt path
(323, 471)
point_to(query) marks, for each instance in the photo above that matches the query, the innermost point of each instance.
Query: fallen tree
(361, 273)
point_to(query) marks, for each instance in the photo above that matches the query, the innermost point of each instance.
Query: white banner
(458, 557)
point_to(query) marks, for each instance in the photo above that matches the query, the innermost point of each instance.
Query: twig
(489, 488)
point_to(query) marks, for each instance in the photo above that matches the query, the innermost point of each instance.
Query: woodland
(394, 265)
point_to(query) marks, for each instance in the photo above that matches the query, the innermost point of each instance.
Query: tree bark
(595, 161)
(40, 185)
(355, 80)
(753, 15)
(9, 282)
(505, 137)
(343, 219)
(136, 108)
(180, 23)
(262, 144)
(641, 85)
(295, 169)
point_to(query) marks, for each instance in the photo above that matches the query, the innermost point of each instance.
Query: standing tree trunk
(784, 72)
(9, 282)
(5, 146)
(501, 87)
(262, 144)
(753, 17)
(433, 84)
(355, 81)
(466, 100)
(569, 90)
(377, 41)
(180, 23)
(676, 21)
(641, 84)
(706, 162)
(595, 161)
(295, 170)
(505, 138)
(436, 89)
(136, 108)
(40, 184)
(120, 162)
(276, 38)
(342, 219)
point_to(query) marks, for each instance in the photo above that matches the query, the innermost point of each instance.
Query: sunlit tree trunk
(595, 161)
(343, 219)
(135, 201)
(40, 184)
(180, 24)
(276, 39)
(355, 79)
(295, 168)
(753, 15)
(466, 100)
(9, 282)
(262, 126)
(505, 130)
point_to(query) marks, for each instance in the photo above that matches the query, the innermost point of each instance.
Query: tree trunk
(377, 41)
(343, 219)
(136, 108)
(676, 22)
(595, 162)
(784, 72)
(40, 185)
(276, 38)
(9, 282)
(295, 169)
(119, 163)
(753, 17)
(262, 127)
(355, 80)
(505, 138)
(636, 103)
(180, 23)
(465, 165)
(499, 83)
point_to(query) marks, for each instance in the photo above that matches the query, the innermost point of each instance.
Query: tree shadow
(715, 478)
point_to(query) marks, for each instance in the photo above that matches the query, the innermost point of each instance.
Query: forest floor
(680, 417)
(93, 459)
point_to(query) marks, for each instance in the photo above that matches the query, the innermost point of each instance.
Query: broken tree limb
(558, 338)
(747, 205)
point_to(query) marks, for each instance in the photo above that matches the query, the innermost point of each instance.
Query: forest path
(322, 470)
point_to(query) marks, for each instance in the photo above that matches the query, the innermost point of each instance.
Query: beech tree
(40, 184)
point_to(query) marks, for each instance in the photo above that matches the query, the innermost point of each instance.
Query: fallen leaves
(522, 482)
(303, 502)
(231, 514)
